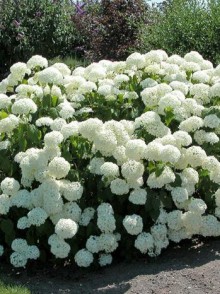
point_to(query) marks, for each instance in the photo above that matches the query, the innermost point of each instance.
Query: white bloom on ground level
(59, 247)
(18, 259)
(108, 242)
(105, 259)
(92, 244)
(33, 252)
(144, 243)
(83, 258)
(133, 224)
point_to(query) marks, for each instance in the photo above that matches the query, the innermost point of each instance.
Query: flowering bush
(116, 158)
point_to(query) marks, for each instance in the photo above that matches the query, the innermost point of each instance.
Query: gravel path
(184, 270)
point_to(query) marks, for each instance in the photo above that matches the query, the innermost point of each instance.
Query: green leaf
(169, 115)
(166, 200)
(177, 182)
(54, 101)
(151, 166)
(53, 113)
(47, 101)
(5, 162)
(23, 144)
(3, 114)
(7, 226)
(32, 134)
(159, 169)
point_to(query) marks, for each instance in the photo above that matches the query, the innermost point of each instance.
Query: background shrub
(111, 28)
(35, 27)
(179, 26)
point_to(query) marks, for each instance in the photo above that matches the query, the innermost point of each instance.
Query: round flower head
(195, 156)
(83, 258)
(92, 244)
(5, 204)
(133, 224)
(50, 75)
(135, 149)
(72, 210)
(197, 206)
(119, 187)
(33, 252)
(108, 242)
(53, 139)
(95, 165)
(136, 59)
(24, 106)
(19, 245)
(89, 127)
(72, 191)
(58, 167)
(63, 68)
(109, 170)
(10, 186)
(66, 228)
(5, 101)
(37, 216)
(105, 259)
(18, 259)
(132, 169)
(37, 61)
(59, 247)
(144, 242)
(87, 216)
(18, 70)
(138, 196)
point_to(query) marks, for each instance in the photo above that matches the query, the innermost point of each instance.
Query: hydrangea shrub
(117, 158)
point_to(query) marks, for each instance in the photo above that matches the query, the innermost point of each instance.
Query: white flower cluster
(23, 252)
(101, 145)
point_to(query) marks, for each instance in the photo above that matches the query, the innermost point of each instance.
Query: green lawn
(9, 288)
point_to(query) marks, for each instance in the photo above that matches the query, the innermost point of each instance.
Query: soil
(192, 267)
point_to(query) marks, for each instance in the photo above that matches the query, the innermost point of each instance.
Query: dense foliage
(113, 159)
(35, 27)
(179, 26)
(111, 28)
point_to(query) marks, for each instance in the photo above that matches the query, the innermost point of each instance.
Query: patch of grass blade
(9, 288)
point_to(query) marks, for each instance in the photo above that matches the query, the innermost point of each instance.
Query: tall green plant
(35, 27)
(181, 26)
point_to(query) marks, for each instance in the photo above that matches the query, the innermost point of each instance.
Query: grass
(72, 62)
(9, 288)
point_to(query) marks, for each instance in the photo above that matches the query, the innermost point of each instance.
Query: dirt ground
(189, 268)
